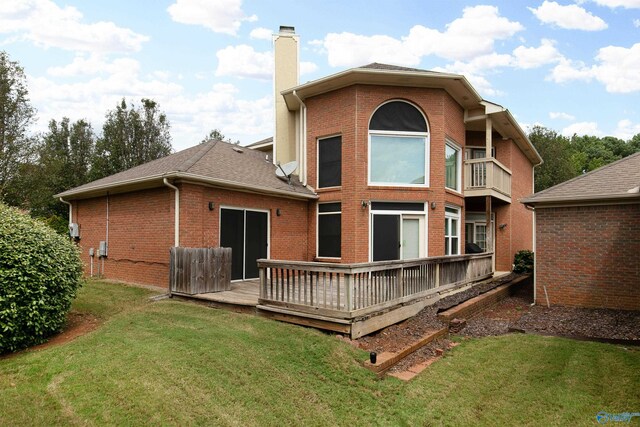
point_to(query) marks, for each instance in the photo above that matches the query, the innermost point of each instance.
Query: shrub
(523, 262)
(40, 273)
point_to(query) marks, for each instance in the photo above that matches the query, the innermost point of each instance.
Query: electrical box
(92, 252)
(74, 230)
(102, 250)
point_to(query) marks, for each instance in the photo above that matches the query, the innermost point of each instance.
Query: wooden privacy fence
(353, 290)
(199, 270)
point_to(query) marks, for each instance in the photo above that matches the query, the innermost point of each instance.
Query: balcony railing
(483, 175)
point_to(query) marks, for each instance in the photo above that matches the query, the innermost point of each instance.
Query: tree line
(34, 167)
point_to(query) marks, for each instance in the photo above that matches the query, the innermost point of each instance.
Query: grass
(174, 363)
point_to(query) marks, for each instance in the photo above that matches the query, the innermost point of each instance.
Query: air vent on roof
(238, 150)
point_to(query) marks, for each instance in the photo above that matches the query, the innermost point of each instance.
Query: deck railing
(487, 174)
(352, 290)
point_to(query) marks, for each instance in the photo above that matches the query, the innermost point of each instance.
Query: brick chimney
(285, 76)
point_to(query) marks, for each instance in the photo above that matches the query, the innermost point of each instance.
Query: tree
(16, 115)
(219, 136)
(557, 155)
(63, 163)
(130, 137)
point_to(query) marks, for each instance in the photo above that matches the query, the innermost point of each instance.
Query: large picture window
(330, 162)
(398, 146)
(452, 166)
(329, 230)
(451, 231)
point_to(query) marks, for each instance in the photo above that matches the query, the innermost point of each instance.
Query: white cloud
(571, 17)
(93, 65)
(618, 69)
(307, 67)
(561, 116)
(533, 57)
(220, 16)
(626, 129)
(45, 24)
(582, 128)
(627, 4)
(261, 33)
(244, 61)
(465, 38)
(636, 23)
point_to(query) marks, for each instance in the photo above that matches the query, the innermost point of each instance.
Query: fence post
(263, 285)
(348, 281)
(437, 274)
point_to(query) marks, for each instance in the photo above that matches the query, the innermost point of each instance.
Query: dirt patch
(77, 325)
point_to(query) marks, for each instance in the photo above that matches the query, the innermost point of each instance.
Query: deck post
(437, 275)
(348, 291)
(263, 284)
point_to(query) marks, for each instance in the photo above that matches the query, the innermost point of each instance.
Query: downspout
(303, 140)
(70, 210)
(176, 231)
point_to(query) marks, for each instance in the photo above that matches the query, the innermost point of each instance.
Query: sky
(572, 66)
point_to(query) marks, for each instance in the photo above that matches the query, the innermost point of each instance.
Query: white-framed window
(329, 230)
(453, 166)
(330, 162)
(476, 229)
(398, 145)
(451, 230)
(398, 230)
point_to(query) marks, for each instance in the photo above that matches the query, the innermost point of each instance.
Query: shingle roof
(215, 162)
(617, 180)
(389, 67)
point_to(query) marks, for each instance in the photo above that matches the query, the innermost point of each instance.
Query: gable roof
(617, 181)
(213, 162)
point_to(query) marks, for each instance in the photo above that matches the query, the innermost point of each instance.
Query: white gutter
(70, 210)
(176, 230)
(303, 140)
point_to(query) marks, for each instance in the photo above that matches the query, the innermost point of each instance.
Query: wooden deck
(355, 299)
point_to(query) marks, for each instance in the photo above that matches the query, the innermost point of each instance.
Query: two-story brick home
(391, 163)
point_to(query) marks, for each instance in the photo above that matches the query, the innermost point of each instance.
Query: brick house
(587, 233)
(391, 163)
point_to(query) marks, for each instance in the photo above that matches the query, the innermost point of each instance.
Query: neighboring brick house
(392, 163)
(588, 239)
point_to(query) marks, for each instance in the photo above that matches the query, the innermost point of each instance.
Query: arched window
(398, 146)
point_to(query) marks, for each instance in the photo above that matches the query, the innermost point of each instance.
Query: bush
(40, 273)
(523, 262)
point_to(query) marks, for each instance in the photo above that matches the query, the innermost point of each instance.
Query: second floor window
(398, 146)
(330, 162)
(452, 166)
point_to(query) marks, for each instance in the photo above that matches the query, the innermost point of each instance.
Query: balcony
(487, 177)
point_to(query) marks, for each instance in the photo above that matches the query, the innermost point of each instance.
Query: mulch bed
(514, 313)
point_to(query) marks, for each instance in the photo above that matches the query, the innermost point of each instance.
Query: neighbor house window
(329, 231)
(451, 230)
(452, 166)
(330, 162)
(398, 145)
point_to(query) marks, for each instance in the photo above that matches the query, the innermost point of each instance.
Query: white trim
(423, 216)
(176, 219)
(449, 142)
(427, 149)
(244, 233)
(449, 216)
(318, 213)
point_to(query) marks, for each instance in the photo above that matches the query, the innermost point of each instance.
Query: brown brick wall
(589, 256)
(333, 113)
(141, 229)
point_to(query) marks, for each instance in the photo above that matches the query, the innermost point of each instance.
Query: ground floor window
(397, 230)
(476, 230)
(451, 230)
(246, 232)
(329, 230)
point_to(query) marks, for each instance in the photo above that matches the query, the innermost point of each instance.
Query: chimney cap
(285, 29)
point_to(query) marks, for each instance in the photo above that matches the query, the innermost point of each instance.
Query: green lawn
(175, 363)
